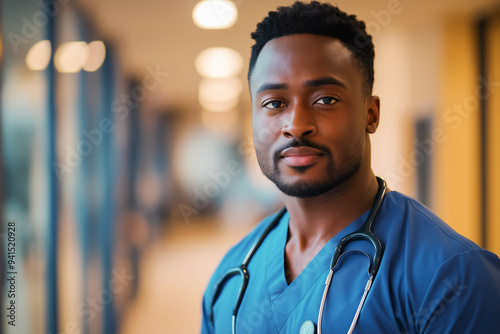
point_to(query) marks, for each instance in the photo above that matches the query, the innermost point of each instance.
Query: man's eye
(274, 104)
(326, 100)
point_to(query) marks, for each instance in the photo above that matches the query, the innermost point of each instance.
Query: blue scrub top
(431, 280)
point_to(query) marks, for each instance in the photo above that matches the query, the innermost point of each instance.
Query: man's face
(309, 114)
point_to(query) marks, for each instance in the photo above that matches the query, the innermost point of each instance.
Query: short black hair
(318, 19)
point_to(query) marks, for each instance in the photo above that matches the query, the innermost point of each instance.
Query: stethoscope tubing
(365, 233)
(243, 271)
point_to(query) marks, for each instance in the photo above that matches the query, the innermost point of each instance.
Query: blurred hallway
(174, 273)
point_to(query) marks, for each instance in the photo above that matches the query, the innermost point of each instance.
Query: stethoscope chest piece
(307, 327)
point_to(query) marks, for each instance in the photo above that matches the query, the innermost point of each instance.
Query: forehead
(297, 58)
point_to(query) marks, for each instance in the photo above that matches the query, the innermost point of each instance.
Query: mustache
(298, 143)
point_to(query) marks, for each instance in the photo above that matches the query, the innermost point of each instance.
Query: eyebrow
(271, 86)
(323, 81)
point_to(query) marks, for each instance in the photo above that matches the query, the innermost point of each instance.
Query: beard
(336, 171)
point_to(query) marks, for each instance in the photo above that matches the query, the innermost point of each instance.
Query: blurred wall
(467, 183)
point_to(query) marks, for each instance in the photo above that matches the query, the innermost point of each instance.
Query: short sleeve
(463, 296)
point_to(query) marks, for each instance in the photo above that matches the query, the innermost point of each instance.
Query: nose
(300, 123)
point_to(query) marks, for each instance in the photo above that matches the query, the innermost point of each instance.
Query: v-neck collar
(284, 297)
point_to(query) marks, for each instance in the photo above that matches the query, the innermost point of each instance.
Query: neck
(315, 220)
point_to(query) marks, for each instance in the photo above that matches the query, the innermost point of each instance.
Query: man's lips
(300, 156)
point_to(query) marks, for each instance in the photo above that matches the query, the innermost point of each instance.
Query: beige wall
(457, 162)
(457, 182)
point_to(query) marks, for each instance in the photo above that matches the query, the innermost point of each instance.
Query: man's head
(318, 19)
(311, 110)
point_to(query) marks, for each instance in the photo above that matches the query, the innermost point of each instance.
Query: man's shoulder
(417, 236)
(429, 256)
(423, 226)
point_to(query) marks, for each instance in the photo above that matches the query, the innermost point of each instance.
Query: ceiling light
(215, 14)
(70, 57)
(219, 62)
(96, 56)
(38, 56)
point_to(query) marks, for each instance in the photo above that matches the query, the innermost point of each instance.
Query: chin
(303, 189)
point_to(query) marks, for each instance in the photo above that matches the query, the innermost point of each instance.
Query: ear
(372, 107)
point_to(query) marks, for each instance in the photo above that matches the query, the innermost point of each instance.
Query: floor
(174, 273)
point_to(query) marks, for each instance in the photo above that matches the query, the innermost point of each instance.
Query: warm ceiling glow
(220, 89)
(38, 56)
(218, 106)
(219, 63)
(219, 94)
(96, 55)
(215, 14)
(70, 57)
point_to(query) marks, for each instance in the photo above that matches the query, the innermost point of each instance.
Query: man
(311, 78)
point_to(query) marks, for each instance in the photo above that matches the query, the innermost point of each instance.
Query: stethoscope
(363, 233)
